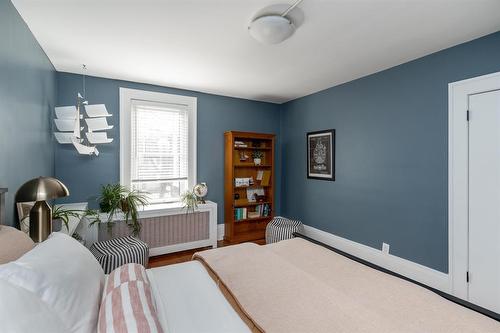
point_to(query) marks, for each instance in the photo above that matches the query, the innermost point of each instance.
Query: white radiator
(168, 230)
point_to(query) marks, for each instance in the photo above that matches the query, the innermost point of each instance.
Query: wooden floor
(178, 257)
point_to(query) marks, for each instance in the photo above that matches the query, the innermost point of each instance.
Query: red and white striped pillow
(125, 273)
(128, 304)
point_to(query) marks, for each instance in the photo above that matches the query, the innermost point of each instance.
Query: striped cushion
(125, 273)
(129, 308)
(119, 251)
(281, 228)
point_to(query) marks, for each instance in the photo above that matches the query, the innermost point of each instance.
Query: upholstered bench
(281, 228)
(120, 251)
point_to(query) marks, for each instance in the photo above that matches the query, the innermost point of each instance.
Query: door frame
(458, 175)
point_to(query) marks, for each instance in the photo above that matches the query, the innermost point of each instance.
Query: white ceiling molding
(205, 45)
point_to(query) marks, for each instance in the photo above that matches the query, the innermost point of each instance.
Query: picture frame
(321, 155)
(23, 212)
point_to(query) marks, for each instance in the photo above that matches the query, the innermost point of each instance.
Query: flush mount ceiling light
(273, 28)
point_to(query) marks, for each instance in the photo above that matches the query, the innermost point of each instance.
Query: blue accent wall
(391, 153)
(27, 95)
(84, 175)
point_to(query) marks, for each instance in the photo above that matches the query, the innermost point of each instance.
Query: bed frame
(449, 297)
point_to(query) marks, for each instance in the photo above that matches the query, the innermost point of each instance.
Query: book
(240, 214)
(240, 144)
(253, 215)
(266, 176)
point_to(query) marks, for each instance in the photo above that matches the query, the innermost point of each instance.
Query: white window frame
(126, 97)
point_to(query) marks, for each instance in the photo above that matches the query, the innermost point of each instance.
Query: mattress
(189, 301)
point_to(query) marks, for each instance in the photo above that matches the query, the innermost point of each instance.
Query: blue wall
(391, 153)
(27, 95)
(216, 114)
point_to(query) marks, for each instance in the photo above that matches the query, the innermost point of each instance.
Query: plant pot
(124, 206)
(57, 225)
(257, 161)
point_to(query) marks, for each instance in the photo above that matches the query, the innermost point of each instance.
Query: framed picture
(321, 155)
(23, 212)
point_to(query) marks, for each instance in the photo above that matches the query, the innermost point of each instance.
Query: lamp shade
(271, 29)
(40, 189)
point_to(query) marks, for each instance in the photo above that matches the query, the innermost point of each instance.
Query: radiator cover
(170, 230)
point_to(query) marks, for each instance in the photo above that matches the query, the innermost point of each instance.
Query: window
(157, 143)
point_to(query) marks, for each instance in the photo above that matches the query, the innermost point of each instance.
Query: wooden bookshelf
(239, 164)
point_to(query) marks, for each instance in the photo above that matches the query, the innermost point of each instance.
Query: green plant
(94, 216)
(115, 198)
(189, 201)
(63, 214)
(58, 213)
(110, 197)
(258, 154)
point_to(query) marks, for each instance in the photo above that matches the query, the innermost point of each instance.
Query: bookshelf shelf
(252, 148)
(252, 166)
(251, 186)
(252, 219)
(250, 204)
(238, 226)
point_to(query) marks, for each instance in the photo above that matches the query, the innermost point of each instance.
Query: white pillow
(21, 311)
(63, 274)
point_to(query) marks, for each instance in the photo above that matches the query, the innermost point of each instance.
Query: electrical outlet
(385, 248)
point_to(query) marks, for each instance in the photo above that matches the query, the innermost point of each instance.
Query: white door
(484, 200)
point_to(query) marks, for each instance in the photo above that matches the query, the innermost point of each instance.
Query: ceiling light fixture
(273, 28)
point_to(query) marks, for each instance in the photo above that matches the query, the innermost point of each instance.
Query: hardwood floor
(178, 257)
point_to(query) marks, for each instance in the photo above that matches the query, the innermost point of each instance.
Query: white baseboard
(409, 269)
(220, 232)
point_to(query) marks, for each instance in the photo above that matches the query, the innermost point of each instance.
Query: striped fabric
(129, 308)
(281, 228)
(125, 273)
(119, 251)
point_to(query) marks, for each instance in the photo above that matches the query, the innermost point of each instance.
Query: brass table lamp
(41, 189)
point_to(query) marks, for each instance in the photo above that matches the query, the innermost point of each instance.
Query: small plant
(259, 154)
(60, 213)
(115, 198)
(189, 201)
(94, 216)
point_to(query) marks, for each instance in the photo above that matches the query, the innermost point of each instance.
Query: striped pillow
(129, 308)
(125, 273)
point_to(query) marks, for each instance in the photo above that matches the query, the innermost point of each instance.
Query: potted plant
(61, 215)
(115, 198)
(257, 157)
(189, 201)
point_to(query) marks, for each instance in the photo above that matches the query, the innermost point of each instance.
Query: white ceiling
(204, 45)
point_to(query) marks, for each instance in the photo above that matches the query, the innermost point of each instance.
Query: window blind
(159, 152)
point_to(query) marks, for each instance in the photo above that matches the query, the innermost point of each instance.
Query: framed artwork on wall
(321, 155)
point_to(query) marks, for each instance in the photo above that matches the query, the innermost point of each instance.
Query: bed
(290, 286)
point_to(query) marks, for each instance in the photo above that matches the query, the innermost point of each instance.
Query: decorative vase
(257, 161)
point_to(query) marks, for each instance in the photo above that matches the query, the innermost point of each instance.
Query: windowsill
(156, 210)
(163, 206)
